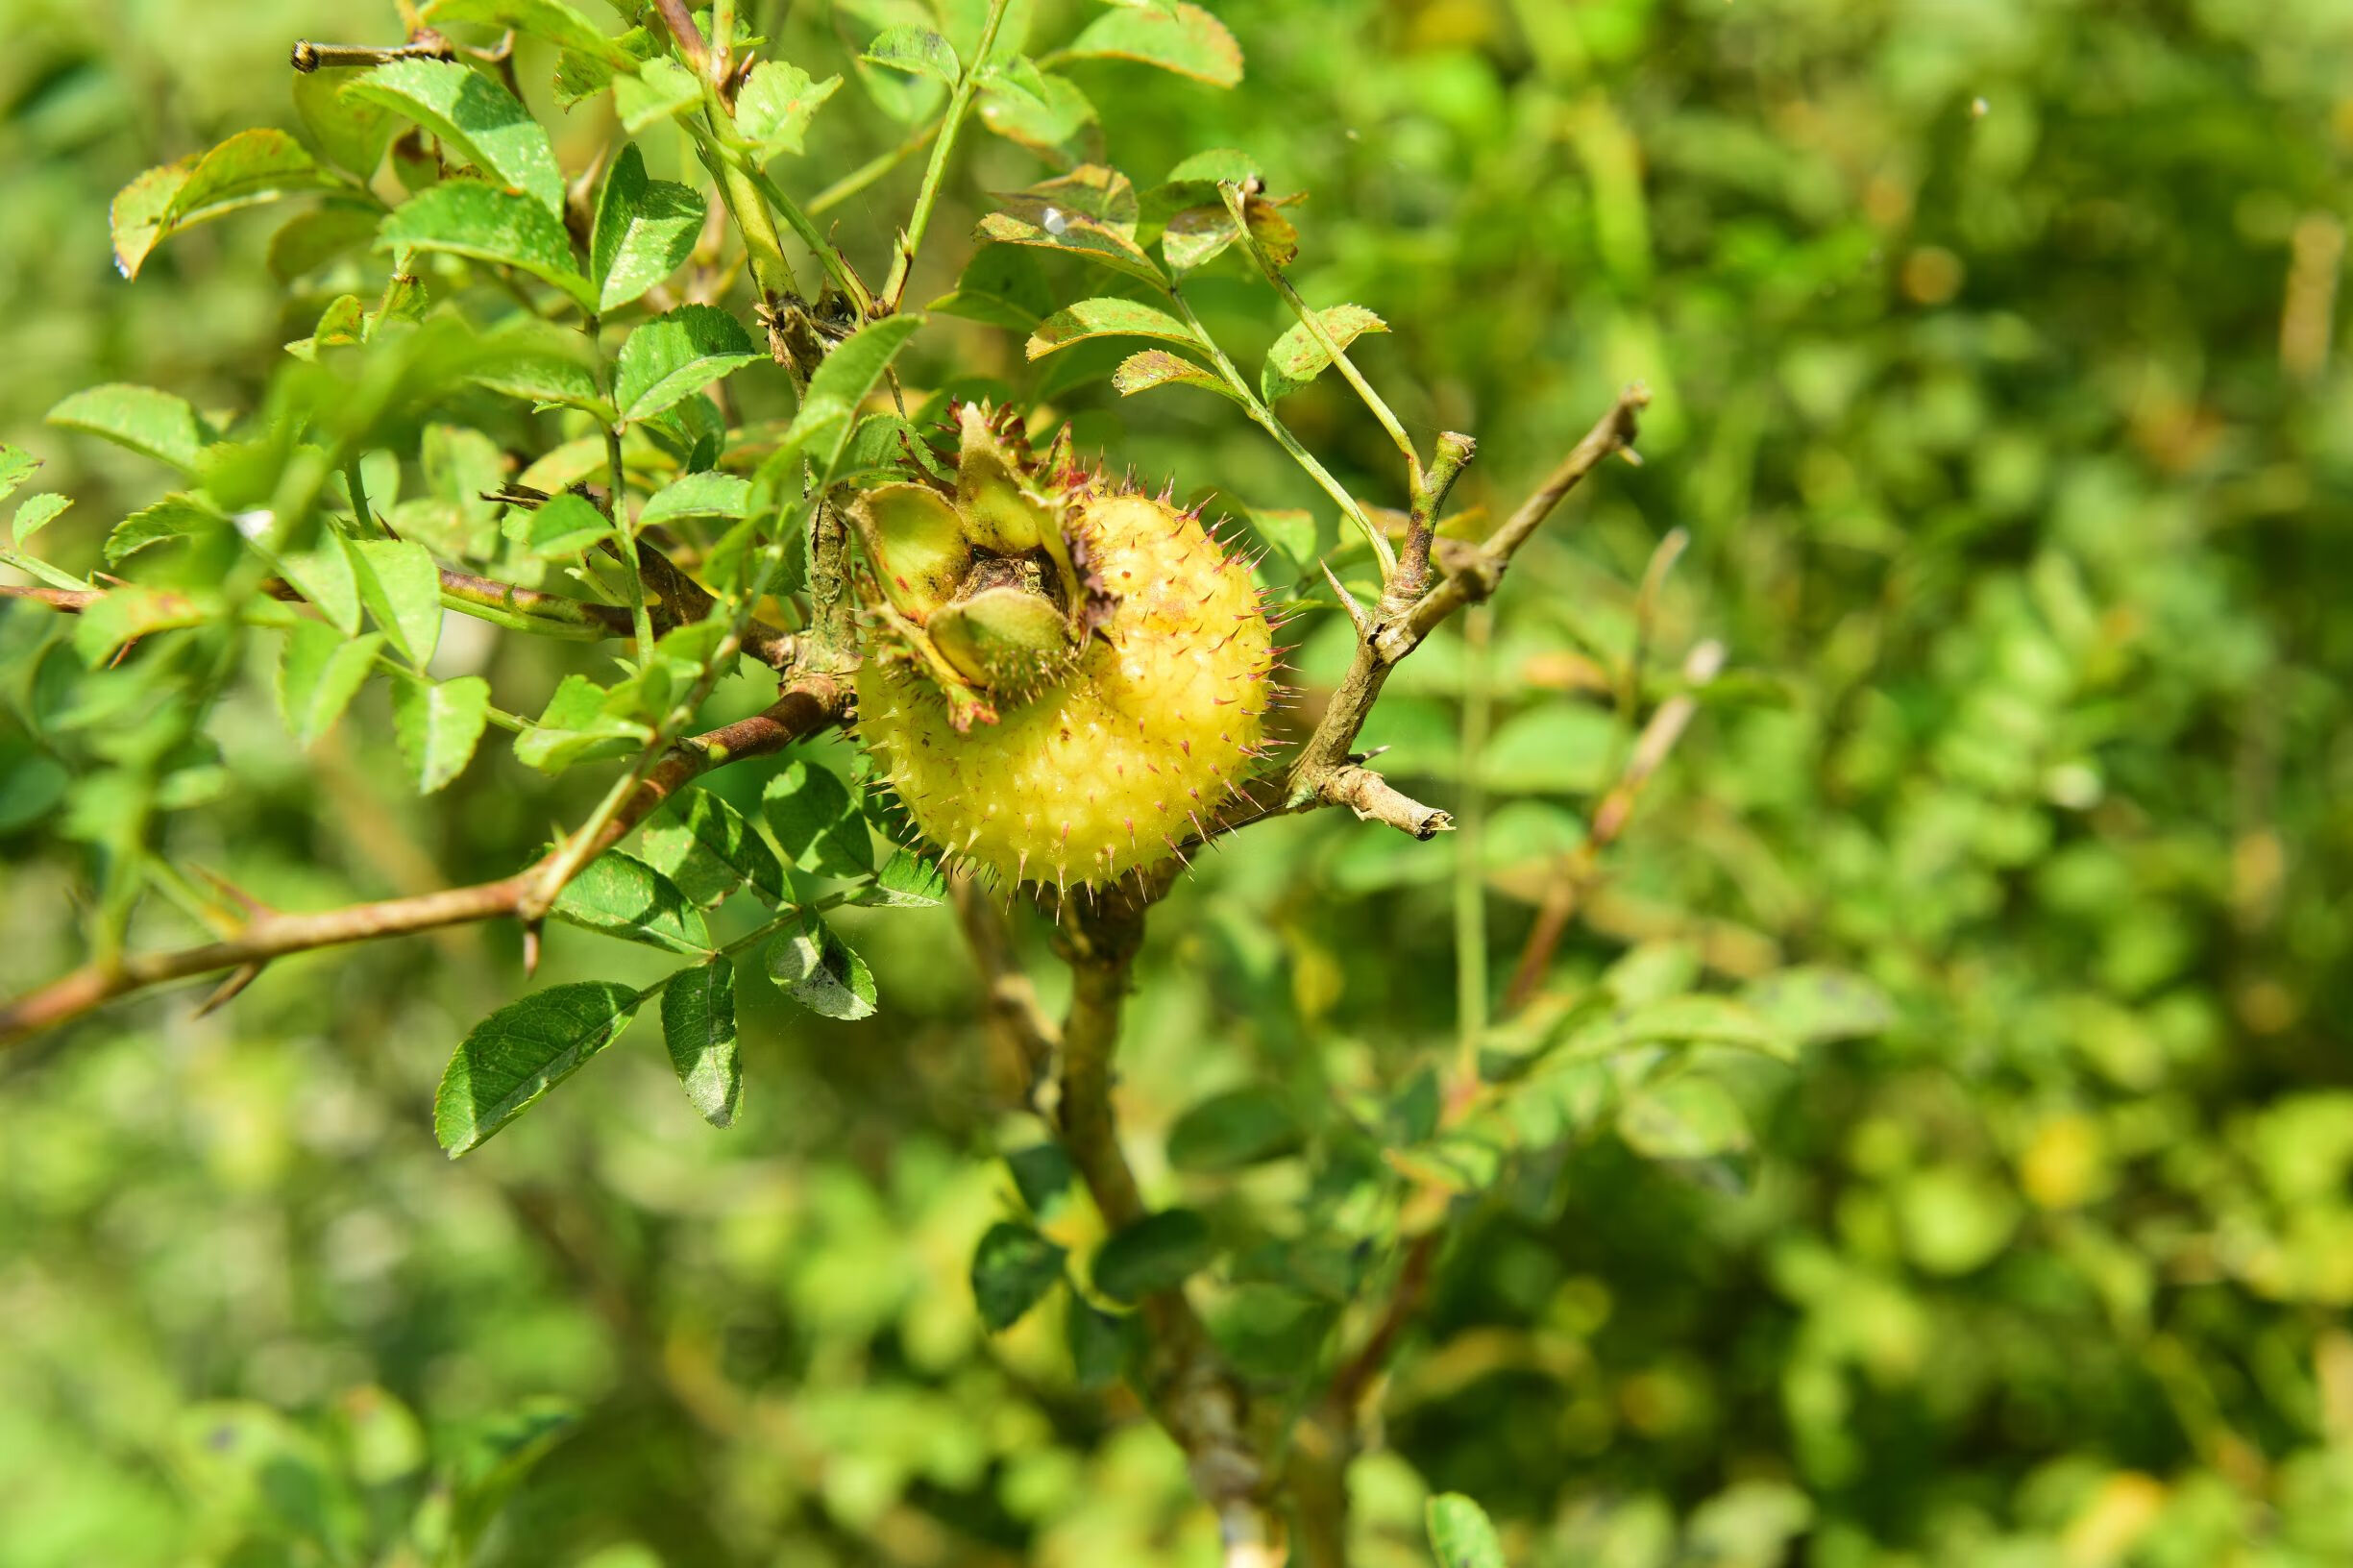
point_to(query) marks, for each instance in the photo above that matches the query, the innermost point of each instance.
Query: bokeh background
(1998, 390)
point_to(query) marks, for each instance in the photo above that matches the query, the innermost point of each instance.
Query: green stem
(1290, 443)
(400, 672)
(722, 39)
(837, 268)
(740, 191)
(1314, 324)
(935, 174)
(869, 171)
(1470, 871)
(641, 614)
(357, 484)
(527, 609)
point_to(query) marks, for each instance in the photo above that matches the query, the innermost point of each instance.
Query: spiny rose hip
(1065, 678)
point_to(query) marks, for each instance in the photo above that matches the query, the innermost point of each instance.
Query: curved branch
(1191, 1392)
(1327, 771)
(1014, 1014)
(813, 703)
(683, 600)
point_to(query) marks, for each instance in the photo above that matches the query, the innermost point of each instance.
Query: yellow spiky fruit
(1075, 758)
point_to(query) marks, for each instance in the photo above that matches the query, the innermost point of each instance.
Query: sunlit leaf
(249, 168)
(518, 1053)
(698, 1028)
(34, 513)
(645, 231)
(555, 21)
(401, 587)
(175, 516)
(351, 132)
(468, 218)
(906, 881)
(1054, 119)
(697, 494)
(821, 972)
(820, 825)
(1297, 357)
(17, 465)
(777, 102)
(916, 50)
(1683, 1118)
(1461, 1534)
(129, 613)
(135, 219)
(1819, 1004)
(438, 724)
(828, 410)
(566, 525)
(1107, 318)
(153, 424)
(576, 726)
(672, 358)
(319, 672)
(1089, 212)
(1157, 367)
(1187, 40)
(657, 90)
(480, 122)
(708, 823)
(621, 895)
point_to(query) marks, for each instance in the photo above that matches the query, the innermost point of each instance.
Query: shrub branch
(1191, 1392)
(807, 706)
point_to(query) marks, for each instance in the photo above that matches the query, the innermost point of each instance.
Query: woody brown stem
(1324, 773)
(1191, 1392)
(1016, 1015)
(813, 703)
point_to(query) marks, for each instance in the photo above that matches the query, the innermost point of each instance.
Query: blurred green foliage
(1996, 392)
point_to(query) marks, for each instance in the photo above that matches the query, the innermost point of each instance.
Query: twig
(1266, 420)
(72, 600)
(1195, 1398)
(1431, 488)
(307, 57)
(869, 171)
(1320, 766)
(530, 609)
(811, 704)
(1475, 578)
(935, 174)
(521, 609)
(1015, 1014)
(1236, 202)
(1573, 874)
(1470, 888)
(686, 34)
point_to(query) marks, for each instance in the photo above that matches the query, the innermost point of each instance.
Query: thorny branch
(1195, 1396)
(1326, 772)
(808, 706)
